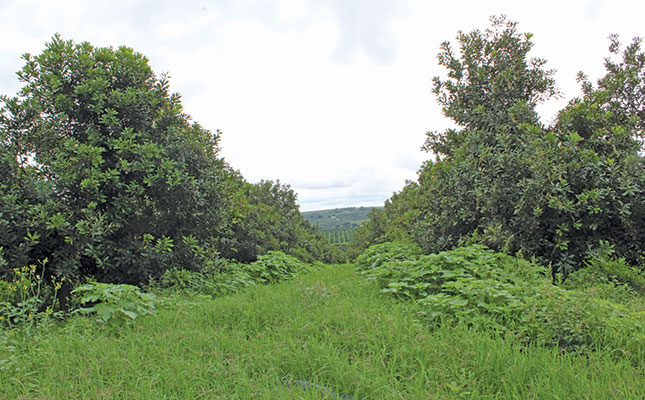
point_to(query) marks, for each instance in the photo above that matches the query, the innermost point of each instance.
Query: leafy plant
(577, 321)
(116, 305)
(275, 266)
(605, 267)
(219, 278)
(508, 295)
(229, 276)
(375, 256)
(27, 299)
(465, 282)
(181, 279)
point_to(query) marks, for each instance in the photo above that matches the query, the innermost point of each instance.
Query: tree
(266, 217)
(392, 223)
(556, 193)
(121, 185)
(491, 87)
(623, 87)
(491, 91)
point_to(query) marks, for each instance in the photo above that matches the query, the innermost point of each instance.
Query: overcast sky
(332, 97)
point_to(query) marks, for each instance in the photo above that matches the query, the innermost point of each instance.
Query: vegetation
(501, 178)
(136, 263)
(337, 218)
(116, 305)
(102, 172)
(331, 328)
(106, 177)
(393, 222)
(339, 235)
(265, 217)
(510, 296)
(339, 225)
(26, 300)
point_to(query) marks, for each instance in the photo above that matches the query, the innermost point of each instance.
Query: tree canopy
(558, 193)
(104, 175)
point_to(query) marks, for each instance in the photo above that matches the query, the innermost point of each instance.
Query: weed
(27, 300)
(507, 295)
(347, 337)
(116, 305)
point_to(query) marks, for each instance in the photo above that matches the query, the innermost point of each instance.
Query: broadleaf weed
(116, 305)
(506, 295)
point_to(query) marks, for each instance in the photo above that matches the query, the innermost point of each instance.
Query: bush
(558, 317)
(575, 321)
(608, 270)
(228, 276)
(220, 278)
(275, 266)
(467, 282)
(608, 277)
(508, 295)
(375, 256)
(181, 279)
(116, 305)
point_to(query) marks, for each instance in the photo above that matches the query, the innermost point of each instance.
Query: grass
(329, 328)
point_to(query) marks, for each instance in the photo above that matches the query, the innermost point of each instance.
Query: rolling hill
(338, 218)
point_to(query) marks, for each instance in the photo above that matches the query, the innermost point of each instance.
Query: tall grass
(329, 329)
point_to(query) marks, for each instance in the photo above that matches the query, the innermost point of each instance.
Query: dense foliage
(265, 217)
(116, 183)
(393, 222)
(377, 255)
(511, 296)
(230, 276)
(102, 174)
(503, 179)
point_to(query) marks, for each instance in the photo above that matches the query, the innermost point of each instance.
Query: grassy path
(330, 329)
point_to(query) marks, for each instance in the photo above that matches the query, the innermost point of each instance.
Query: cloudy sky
(330, 96)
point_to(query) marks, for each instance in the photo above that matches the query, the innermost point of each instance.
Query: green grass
(331, 328)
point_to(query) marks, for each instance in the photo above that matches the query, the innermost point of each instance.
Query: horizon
(339, 208)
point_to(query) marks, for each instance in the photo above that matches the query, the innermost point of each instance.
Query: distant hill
(338, 218)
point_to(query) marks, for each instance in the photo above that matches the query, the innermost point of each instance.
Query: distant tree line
(104, 175)
(559, 193)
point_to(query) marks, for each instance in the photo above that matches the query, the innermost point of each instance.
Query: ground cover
(325, 334)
